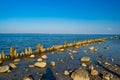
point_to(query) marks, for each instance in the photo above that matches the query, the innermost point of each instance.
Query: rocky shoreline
(41, 65)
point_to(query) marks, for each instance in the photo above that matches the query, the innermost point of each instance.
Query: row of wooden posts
(40, 49)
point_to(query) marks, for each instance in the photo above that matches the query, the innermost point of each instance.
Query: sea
(108, 49)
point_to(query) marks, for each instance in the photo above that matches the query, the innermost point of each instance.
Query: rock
(108, 76)
(71, 57)
(112, 59)
(16, 60)
(84, 65)
(31, 66)
(44, 57)
(32, 56)
(91, 67)
(91, 48)
(12, 65)
(85, 59)
(94, 72)
(4, 69)
(61, 61)
(85, 51)
(80, 74)
(0, 62)
(66, 73)
(52, 63)
(99, 61)
(27, 78)
(39, 59)
(61, 50)
(106, 63)
(9, 71)
(74, 52)
(40, 64)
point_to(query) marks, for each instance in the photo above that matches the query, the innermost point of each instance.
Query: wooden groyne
(40, 49)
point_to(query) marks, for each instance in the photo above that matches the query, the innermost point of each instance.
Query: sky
(60, 16)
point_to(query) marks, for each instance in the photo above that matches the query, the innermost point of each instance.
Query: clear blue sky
(60, 16)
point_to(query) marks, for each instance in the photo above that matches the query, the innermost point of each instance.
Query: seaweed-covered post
(65, 44)
(40, 48)
(13, 53)
(2, 55)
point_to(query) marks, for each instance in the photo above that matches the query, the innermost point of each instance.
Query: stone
(61, 50)
(16, 60)
(40, 64)
(74, 52)
(4, 69)
(12, 65)
(0, 62)
(31, 66)
(85, 59)
(94, 72)
(80, 74)
(84, 65)
(44, 57)
(61, 61)
(66, 73)
(71, 57)
(108, 76)
(32, 56)
(27, 78)
(85, 51)
(52, 63)
(106, 63)
(9, 71)
(39, 59)
(91, 48)
(91, 67)
(112, 59)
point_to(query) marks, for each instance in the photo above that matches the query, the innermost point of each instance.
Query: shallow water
(20, 41)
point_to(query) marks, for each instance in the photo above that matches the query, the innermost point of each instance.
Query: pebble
(31, 66)
(44, 57)
(39, 59)
(52, 63)
(94, 72)
(32, 56)
(84, 65)
(27, 78)
(85, 59)
(66, 73)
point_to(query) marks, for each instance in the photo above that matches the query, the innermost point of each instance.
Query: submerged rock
(85, 59)
(108, 76)
(0, 61)
(32, 56)
(16, 60)
(40, 64)
(84, 65)
(31, 66)
(4, 69)
(80, 74)
(66, 73)
(12, 65)
(94, 72)
(44, 57)
(39, 59)
(72, 57)
(52, 63)
(27, 78)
